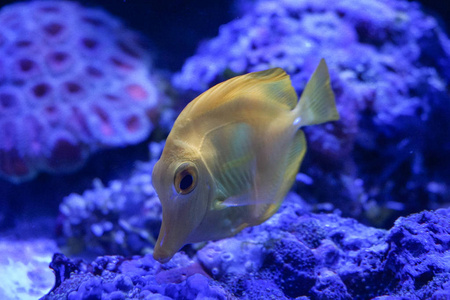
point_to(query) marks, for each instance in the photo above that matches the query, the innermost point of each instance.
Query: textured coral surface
(72, 80)
(294, 254)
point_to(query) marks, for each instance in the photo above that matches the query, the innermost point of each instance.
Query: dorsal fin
(272, 85)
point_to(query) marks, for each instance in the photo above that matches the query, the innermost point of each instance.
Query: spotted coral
(73, 80)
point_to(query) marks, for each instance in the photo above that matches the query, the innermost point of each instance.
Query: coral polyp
(73, 80)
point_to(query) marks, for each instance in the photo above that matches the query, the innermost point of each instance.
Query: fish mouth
(167, 245)
(162, 254)
(177, 225)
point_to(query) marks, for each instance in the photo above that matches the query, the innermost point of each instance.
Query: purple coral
(389, 70)
(280, 260)
(73, 80)
(348, 260)
(122, 218)
(113, 277)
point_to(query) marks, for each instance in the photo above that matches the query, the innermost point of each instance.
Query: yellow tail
(317, 104)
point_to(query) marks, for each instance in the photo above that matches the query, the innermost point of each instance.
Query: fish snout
(162, 255)
(168, 243)
(164, 250)
(182, 214)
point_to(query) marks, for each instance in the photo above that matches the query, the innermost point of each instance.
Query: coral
(273, 261)
(389, 70)
(329, 286)
(78, 81)
(352, 261)
(122, 217)
(114, 277)
(294, 264)
(419, 254)
(24, 268)
(227, 257)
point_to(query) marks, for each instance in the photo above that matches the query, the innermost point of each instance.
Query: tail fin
(317, 104)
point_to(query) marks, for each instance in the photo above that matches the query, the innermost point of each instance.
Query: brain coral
(388, 64)
(73, 80)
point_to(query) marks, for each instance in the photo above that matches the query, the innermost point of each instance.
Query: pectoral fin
(233, 164)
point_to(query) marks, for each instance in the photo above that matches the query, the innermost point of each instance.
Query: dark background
(175, 27)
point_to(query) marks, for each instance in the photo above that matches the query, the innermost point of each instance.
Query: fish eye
(185, 179)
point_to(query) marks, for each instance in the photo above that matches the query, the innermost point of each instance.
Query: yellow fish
(233, 155)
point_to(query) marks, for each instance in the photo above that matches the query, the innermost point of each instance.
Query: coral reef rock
(73, 80)
(389, 65)
(295, 254)
(121, 218)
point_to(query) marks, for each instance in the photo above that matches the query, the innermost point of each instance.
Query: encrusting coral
(73, 80)
(282, 259)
